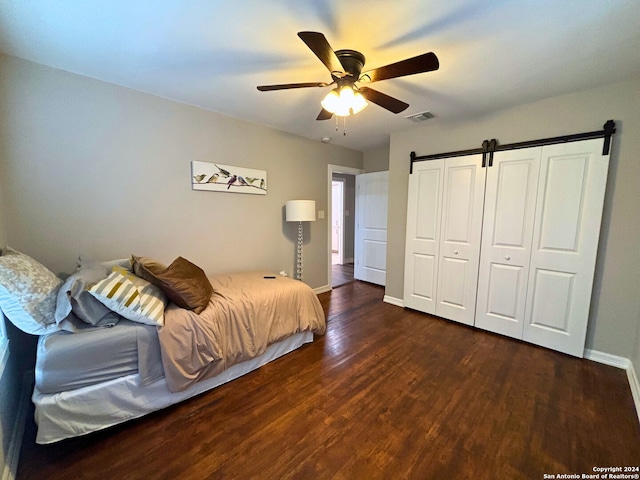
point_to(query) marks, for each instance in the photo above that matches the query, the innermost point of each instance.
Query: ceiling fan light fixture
(359, 103)
(331, 102)
(344, 104)
(344, 101)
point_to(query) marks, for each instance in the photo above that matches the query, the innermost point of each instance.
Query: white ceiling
(493, 53)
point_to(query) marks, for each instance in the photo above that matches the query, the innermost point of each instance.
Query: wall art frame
(218, 177)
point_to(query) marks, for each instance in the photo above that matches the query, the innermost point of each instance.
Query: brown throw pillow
(184, 283)
(147, 268)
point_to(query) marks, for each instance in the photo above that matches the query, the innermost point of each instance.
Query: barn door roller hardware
(490, 146)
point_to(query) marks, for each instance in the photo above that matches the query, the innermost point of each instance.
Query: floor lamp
(300, 211)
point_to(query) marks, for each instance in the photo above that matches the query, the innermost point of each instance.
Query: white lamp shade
(301, 210)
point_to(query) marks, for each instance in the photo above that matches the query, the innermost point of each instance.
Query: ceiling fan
(345, 66)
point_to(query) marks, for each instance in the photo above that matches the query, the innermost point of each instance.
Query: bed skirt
(95, 407)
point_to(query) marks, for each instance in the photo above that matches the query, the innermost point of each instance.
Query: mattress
(95, 407)
(94, 379)
(68, 361)
(247, 312)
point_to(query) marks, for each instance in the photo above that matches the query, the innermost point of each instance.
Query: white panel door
(570, 197)
(460, 233)
(507, 231)
(372, 191)
(424, 207)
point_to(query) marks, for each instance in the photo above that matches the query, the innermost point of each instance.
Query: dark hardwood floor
(341, 274)
(386, 393)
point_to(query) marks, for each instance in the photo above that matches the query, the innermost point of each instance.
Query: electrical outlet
(320, 213)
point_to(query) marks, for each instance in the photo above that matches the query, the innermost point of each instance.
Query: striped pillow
(132, 297)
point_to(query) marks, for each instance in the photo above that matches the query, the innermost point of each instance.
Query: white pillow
(132, 297)
(28, 292)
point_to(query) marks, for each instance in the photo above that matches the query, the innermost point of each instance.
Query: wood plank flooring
(341, 274)
(386, 393)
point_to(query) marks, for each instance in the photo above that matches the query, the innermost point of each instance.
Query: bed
(99, 363)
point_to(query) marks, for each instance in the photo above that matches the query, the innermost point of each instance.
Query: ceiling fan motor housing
(352, 61)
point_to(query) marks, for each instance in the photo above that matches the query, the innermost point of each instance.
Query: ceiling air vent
(420, 117)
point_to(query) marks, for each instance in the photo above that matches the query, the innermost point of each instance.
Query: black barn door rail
(491, 146)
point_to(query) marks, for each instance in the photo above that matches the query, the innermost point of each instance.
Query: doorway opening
(341, 206)
(342, 228)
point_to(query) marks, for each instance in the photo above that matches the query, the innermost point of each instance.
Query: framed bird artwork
(217, 177)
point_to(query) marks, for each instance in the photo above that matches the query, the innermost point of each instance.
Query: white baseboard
(607, 359)
(323, 289)
(635, 387)
(619, 362)
(17, 434)
(398, 302)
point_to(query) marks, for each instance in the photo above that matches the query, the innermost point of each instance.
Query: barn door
(460, 233)
(509, 209)
(424, 208)
(570, 198)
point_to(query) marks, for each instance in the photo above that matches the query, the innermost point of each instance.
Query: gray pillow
(75, 303)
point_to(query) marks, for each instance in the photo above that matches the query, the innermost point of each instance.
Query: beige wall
(90, 167)
(376, 160)
(613, 325)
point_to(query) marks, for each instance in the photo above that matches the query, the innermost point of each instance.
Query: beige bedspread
(245, 315)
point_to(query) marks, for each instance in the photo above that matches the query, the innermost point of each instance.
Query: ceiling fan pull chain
(344, 126)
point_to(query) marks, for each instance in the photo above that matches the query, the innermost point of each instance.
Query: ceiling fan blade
(319, 45)
(324, 115)
(426, 62)
(385, 101)
(284, 86)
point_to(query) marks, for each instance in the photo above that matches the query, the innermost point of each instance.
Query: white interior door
(371, 227)
(460, 234)
(509, 209)
(424, 208)
(570, 197)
